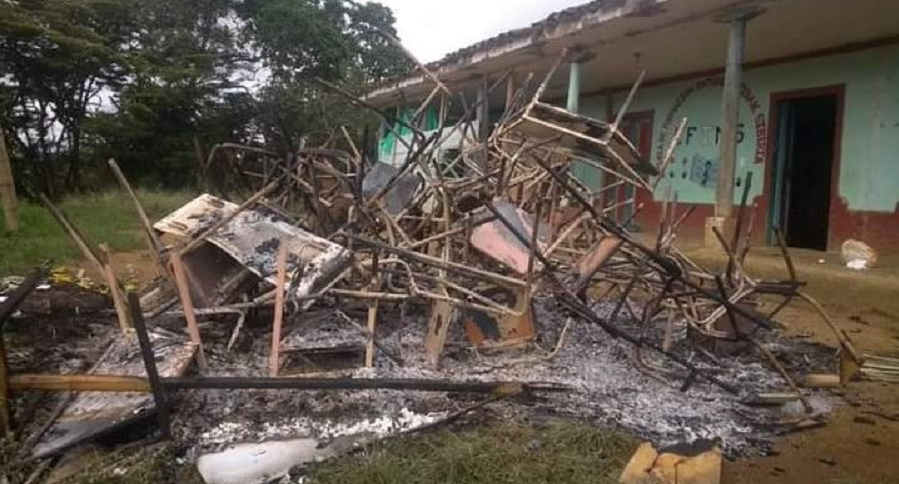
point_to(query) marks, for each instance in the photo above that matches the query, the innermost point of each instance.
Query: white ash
(606, 388)
(322, 430)
(609, 389)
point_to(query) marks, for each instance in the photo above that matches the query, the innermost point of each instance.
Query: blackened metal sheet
(399, 196)
(93, 414)
(252, 239)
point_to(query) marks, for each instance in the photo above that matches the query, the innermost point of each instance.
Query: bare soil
(860, 442)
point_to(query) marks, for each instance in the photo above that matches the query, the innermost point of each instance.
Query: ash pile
(350, 297)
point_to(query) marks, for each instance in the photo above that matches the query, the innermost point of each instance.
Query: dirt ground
(860, 442)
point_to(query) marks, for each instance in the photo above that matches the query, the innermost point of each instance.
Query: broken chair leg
(274, 363)
(118, 300)
(187, 304)
(5, 422)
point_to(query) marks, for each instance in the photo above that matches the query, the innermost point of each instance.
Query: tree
(57, 64)
(140, 80)
(300, 40)
(184, 61)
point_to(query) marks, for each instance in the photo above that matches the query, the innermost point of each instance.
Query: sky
(433, 28)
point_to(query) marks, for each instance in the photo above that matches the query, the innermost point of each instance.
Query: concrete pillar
(574, 87)
(483, 111)
(510, 90)
(730, 112)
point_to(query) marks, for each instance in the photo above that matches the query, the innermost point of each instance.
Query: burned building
(814, 83)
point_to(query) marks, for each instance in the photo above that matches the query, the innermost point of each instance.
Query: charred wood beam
(738, 228)
(254, 383)
(116, 383)
(149, 357)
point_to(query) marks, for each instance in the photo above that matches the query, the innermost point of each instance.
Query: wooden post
(5, 422)
(187, 304)
(201, 161)
(574, 87)
(152, 238)
(510, 91)
(372, 314)
(274, 363)
(483, 111)
(118, 296)
(8, 189)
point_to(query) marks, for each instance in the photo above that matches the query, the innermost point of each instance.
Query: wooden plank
(187, 304)
(153, 241)
(438, 327)
(370, 342)
(118, 298)
(372, 313)
(274, 363)
(5, 422)
(79, 383)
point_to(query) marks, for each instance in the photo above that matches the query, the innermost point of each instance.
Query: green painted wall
(869, 175)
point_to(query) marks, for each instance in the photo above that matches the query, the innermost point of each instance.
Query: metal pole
(730, 111)
(146, 351)
(256, 383)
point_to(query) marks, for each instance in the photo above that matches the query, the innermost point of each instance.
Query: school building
(815, 84)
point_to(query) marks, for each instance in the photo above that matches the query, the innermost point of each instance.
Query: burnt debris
(449, 269)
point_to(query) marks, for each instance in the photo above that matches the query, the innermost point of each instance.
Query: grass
(104, 217)
(559, 452)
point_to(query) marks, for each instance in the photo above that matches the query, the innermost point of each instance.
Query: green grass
(557, 452)
(105, 217)
(560, 452)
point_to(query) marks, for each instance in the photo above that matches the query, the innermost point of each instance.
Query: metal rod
(149, 357)
(251, 383)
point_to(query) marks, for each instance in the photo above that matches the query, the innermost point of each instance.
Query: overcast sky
(431, 28)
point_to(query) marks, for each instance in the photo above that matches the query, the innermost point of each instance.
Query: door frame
(839, 92)
(647, 116)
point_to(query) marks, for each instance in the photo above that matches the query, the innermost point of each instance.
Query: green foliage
(557, 453)
(56, 57)
(103, 217)
(300, 40)
(143, 81)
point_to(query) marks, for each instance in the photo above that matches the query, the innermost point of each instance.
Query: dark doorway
(805, 147)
